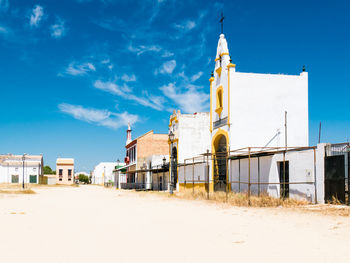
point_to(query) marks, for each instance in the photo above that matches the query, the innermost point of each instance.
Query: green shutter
(14, 179)
(32, 179)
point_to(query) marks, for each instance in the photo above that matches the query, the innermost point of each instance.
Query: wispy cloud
(196, 76)
(142, 49)
(129, 78)
(3, 30)
(167, 67)
(58, 30)
(36, 16)
(186, 25)
(4, 5)
(98, 117)
(190, 100)
(124, 91)
(75, 69)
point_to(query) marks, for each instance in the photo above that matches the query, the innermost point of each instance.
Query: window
(34, 169)
(60, 172)
(69, 172)
(219, 100)
(16, 169)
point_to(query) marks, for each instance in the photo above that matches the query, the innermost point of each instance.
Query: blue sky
(74, 73)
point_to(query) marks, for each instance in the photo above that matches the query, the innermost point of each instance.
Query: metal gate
(220, 172)
(335, 178)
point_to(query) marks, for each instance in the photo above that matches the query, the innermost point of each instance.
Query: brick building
(138, 153)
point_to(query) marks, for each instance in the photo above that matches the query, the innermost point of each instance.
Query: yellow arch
(214, 144)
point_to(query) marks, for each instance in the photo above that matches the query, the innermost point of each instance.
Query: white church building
(259, 135)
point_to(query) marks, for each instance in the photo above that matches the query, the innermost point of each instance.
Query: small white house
(16, 168)
(103, 173)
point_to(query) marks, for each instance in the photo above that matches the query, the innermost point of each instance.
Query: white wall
(258, 104)
(193, 134)
(100, 169)
(30, 168)
(302, 168)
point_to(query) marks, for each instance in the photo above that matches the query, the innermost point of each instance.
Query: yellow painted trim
(189, 186)
(173, 119)
(219, 100)
(211, 102)
(218, 111)
(228, 93)
(214, 144)
(225, 53)
(218, 70)
(217, 59)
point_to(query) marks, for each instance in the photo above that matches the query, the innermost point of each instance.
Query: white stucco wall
(31, 168)
(302, 168)
(98, 176)
(257, 109)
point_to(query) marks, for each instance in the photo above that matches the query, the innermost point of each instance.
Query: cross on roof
(222, 22)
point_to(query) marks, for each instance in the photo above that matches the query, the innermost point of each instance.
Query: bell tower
(128, 134)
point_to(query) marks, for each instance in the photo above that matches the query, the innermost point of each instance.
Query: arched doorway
(173, 177)
(220, 163)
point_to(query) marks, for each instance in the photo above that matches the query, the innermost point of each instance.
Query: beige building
(65, 170)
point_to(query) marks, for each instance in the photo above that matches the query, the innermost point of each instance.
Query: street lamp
(23, 159)
(171, 139)
(164, 160)
(116, 177)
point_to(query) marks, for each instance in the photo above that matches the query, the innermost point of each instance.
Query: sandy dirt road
(93, 224)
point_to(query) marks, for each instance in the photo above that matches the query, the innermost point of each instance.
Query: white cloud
(167, 54)
(3, 30)
(4, 5)
(124, 91)
(189, 101)
(187, 25)
(128, 78)
(109, 87)
(99, 117)
(36, 15)
(196, 76)
(167, 67)
(142, 49)
(75, 69)
(58, 30)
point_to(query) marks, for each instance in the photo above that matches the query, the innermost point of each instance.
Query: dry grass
(240, 199)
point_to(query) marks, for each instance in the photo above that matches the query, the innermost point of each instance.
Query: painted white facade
(11, 168)
(253, 105)
(103, 173)
(192, 137)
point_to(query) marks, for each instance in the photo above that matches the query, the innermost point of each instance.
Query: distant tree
(83, 178)
(48, 170)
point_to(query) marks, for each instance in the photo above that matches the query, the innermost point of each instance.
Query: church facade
(254, 110)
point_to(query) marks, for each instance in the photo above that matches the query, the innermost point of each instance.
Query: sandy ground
(94, 224)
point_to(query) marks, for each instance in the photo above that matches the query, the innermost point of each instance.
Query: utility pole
(319, 134)
(23, 159)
